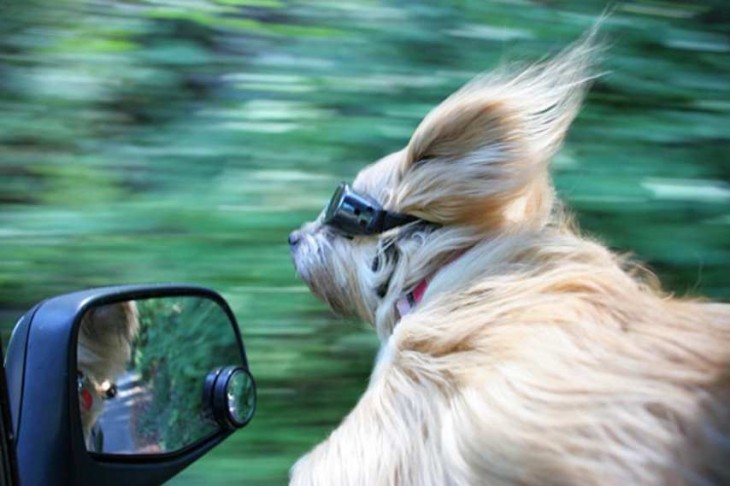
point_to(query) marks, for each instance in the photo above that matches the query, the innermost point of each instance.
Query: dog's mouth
(306, 255)
(327, 270)
(310, 263)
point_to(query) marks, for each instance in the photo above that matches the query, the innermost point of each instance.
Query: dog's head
(104, 349)
(475, 167)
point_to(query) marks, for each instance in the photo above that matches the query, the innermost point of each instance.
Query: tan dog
(534, 355)
(104, 350)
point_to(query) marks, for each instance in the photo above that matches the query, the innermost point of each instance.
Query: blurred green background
(181, 140)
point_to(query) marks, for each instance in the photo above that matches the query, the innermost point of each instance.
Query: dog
(514, 350)
(104, 349)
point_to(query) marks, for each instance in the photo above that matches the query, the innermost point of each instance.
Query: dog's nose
(294, 238)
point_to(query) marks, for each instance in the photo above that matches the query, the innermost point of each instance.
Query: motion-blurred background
(181, 140)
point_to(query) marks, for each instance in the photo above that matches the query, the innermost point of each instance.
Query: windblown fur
(104, 350)
(537, 356)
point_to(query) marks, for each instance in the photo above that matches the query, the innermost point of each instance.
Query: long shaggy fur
(104, 349)
(537, 356)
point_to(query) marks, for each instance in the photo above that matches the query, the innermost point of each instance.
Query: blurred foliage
(181, 140)
(180, 341)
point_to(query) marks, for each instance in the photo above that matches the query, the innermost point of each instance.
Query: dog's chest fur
(544, 359)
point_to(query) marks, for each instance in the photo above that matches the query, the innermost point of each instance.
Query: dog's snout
(294, 238)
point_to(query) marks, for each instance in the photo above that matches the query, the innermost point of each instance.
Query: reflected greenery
(151, 141)
(180, 341)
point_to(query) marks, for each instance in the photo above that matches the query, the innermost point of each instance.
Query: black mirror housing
(41, 365)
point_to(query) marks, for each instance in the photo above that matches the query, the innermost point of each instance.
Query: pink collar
(408, 301)
(411, 299)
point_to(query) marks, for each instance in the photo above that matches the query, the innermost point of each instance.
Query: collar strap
(407, 302)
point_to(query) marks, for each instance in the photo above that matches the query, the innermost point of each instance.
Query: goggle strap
(393, 220)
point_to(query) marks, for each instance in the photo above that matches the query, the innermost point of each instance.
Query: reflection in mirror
(144, 369)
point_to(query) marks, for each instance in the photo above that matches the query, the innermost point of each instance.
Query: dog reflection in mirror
(104, 350)
(514, 350)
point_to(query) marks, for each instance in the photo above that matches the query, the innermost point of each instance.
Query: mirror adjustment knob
(241, 397)
(229, 396)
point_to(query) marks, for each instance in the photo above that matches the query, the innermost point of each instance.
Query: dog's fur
(538, 356)
(104, 349)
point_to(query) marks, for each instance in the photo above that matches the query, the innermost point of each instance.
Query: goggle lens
(352, 213)
(358, 214)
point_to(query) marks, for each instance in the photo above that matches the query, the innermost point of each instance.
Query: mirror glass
(148, 371)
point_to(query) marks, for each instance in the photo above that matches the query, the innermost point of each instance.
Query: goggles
(357, 214)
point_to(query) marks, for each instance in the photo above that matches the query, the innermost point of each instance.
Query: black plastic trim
(50, 444)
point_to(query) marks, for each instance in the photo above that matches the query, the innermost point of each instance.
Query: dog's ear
(481, 157)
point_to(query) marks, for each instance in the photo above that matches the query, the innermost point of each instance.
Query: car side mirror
(125, 385)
